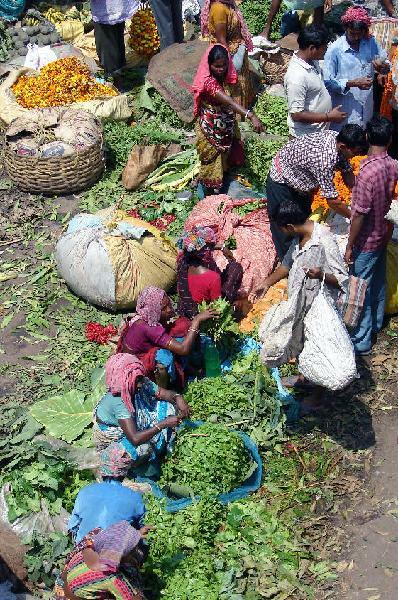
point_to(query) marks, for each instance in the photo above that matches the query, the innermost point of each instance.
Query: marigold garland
(61, 82)
(320, 202)
(144, 37)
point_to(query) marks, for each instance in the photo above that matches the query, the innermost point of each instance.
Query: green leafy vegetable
(209, 459)
(224, 325)
(215, 396)
(230, 243)
(45, 558)
(259, 154)
(256, 13)
(272, 112)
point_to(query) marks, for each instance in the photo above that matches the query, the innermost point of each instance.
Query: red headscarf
(356, 13)
(121, 373)
(244, 30)
(203, 73)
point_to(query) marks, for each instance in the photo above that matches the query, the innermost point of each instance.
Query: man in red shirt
(369, 231)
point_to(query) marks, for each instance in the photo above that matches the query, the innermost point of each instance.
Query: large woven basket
(274, 66)
(57, 175)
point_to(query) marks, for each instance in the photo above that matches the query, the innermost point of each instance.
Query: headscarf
(356, 13)
(192, 241)
(196, 239)
(204, 21)
(114, 543)
(203, 73)
(149, 305)
(121, 373)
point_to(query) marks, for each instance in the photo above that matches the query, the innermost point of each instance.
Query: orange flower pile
(320, 202)
(144, 36)
(60, 82)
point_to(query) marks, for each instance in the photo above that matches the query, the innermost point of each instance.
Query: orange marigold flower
(320, 202)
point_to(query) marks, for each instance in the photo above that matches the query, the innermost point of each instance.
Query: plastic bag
(37, 57)
(328, 356)
(282, 329)
(238, 57)
(251, 484)
(392, 214)
(109, 258)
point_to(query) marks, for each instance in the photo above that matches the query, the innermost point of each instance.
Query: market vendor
(134, 421)
(198, 277)
(157, 339)
(307, 163)
(109, 21)
(223, 23)
(217, 134)
(350, 65)
(105, 564)
(113, 502)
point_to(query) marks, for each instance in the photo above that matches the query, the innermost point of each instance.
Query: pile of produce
(256, 12)
(209, 460)
(272, 112)
(61, 13)
(41, 34)
(215, 396)
(175, 173)
(61, 82)
(6, 42)
(274, 295)
(224, 330)
(144, 37)
(319, 202)
(259, 154)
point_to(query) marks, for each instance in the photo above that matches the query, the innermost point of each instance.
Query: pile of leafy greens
(259, 154)
(256, 13)
(272, 112)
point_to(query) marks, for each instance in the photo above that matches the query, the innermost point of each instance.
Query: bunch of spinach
(222, 327)
(45, 558)
(216, 396)
(259, 154)
(208, 460)
(272, 112)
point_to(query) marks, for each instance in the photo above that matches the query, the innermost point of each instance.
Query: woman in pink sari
(217, 134)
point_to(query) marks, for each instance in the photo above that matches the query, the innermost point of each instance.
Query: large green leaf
(66, 416)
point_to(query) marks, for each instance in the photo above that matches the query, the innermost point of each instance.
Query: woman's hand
(206, 315)
(257, 125)
(183, 408)
(259, 295)
(172, 421)
(145, 530)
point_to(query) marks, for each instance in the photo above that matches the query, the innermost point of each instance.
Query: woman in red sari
(157, 338)
(217, 134)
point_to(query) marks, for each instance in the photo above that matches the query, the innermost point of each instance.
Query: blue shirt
(104, 504)
(343, 63)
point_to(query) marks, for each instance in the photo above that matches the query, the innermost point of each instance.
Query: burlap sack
(141, 161)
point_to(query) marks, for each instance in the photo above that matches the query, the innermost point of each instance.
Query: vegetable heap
(6, 43)
(61, 82)
(319, 202)
(209, 460)
(256, 12)
(215, 396)
(222, 327)
(144, 37)
(272, 112)
(175, 172)
(259, 154)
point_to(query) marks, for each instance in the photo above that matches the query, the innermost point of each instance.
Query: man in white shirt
(309, 103)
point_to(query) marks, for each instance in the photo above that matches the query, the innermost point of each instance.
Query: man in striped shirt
(307, 163)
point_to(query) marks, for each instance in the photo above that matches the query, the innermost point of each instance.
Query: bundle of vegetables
(224, 326)
(61, 82)
(209, 460)
(6, 42)
(259, 154)
(215, 396)
(272, 112)
(256, 13)
(319, 202)
(45, 557)
(163, 211)
(175, 173)
(144, 37)
(60, 14)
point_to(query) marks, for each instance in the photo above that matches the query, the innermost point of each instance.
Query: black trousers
(393, 149)
(109, 42)
(168, 17)
(276, 194)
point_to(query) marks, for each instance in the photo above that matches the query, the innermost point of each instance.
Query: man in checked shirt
(309, 162)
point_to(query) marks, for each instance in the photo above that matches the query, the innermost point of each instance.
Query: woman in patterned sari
(134, 421)
(223, 23)
(217, 134)
(104, 565)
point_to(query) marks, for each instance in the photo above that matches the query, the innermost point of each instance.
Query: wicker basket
(57, 175)
(274, 66)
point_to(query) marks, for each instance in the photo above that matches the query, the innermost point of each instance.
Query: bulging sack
(328, 357)
(109, 258)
